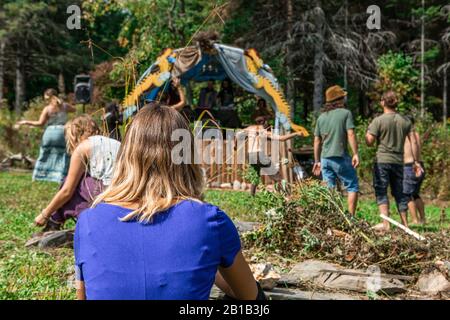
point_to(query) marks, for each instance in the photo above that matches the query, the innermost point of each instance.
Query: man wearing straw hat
(334, 132)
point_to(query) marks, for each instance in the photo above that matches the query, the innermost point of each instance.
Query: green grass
(24, 273)
(437, 218)
(36, 274)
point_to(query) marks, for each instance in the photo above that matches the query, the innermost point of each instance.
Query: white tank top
(103, 158)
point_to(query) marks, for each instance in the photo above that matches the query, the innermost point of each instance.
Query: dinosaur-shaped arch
(244, 68)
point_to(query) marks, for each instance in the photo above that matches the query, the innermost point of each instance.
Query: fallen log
(293, 294)
(362, 274)
(12, 158)
(334, 278)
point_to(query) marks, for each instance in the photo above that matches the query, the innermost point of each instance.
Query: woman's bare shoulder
(84, 148)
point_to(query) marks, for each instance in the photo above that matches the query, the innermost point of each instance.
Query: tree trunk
(290, 92)
(61, 84)
(361, 102)
(20, 85)
(305, 106)
(2, 71)
(318, 58)
(445, 99)
(346, 33)
(422, 63)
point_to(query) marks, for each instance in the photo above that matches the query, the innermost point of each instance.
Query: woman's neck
(136, 206)
(126, 205)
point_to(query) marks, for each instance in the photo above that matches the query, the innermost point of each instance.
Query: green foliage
(148, 28)
(436, 157)
(366, 153)
(237, 24)
(396, 72)
(251, 176)
(245, 106)
(432, 54)
(26, 140)
(430, 12)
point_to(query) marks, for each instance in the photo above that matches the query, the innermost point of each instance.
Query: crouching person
(153, 236)
(90, 171)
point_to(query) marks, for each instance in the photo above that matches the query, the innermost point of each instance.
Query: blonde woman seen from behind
(153, 236)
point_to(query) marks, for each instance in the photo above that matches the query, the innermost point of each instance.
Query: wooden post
(291, 160)
(284, 171)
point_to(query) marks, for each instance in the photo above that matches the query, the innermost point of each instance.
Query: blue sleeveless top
(175, 257)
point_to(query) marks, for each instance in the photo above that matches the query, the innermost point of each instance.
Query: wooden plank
(291, 161)
(284, 173)
(234, 165)
(406, 229)
(224, 164)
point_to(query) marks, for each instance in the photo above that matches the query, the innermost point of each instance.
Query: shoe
(51, 225)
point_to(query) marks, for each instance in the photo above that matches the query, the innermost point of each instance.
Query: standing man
(334, 132)
(390, 130)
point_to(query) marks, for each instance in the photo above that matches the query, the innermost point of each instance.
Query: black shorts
(411, 183)
(260, 163)
(390, 174)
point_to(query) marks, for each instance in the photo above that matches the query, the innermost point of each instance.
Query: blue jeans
(390, 174)
(340, 168)
(411, 183)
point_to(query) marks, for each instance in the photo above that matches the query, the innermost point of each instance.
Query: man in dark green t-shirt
(334, 132)
(390, 130)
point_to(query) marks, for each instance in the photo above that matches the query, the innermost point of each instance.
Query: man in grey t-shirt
(390, 130)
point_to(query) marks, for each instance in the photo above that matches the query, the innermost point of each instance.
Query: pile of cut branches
(312, 223)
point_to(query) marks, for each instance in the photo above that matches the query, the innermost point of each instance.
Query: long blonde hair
(79, 129)
(145, 174)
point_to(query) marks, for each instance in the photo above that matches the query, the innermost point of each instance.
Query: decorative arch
(243, 67)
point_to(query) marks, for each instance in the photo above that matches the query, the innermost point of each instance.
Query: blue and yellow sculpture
(244, 67)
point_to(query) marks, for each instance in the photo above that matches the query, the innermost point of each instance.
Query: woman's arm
(42, 120)
(81, 290)
(284, 138)
(76, 170)
(223, 285)
(237, 281)
(180, 105)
